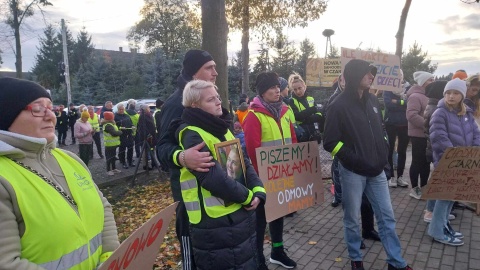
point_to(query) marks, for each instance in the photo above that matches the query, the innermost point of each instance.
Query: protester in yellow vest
(93, 120)
(307, 114)
(52, 215)
(220, 209)
(111, 139)
(268, 124)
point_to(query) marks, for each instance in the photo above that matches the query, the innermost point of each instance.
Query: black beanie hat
(435, 89)
(194, 60)
(15, 95)
(265, 81)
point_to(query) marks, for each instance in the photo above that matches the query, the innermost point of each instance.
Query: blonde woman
(307, 114)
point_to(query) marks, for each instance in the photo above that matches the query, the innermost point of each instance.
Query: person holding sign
(223, 235)
(355, 134)
(52, 215)
(267, 124)
(307, 114)
(451, 125)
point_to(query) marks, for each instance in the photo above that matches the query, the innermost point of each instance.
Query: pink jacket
(83, 132)
(416, 103)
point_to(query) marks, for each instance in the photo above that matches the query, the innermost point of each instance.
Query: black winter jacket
(357, 123)
(227, 242)
(167, 144)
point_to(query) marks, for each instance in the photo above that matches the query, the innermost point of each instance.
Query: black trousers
(275, 227)
(84, 152)
(125, 147)
(110, 153)
(366, 212)
(420, 166)
(400, 132)
(62, 134)
(98, 144)
(73, 135)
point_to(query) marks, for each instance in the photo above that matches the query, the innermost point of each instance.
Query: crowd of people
(221, 220)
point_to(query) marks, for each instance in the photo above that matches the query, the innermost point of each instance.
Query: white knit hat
(456, 84)
(421, 77)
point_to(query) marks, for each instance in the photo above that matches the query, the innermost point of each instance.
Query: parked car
(150, 102)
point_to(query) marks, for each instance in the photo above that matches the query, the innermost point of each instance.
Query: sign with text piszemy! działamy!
(322, 72)
(292, 177)
(388, 76)
(456, 177)
(140, 249)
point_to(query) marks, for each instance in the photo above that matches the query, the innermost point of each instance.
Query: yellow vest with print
(214, 206)
(300, 107)
(56, 237)
(109, 139)
(274, 134)
(94, 122)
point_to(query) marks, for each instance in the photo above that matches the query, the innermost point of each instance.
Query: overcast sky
(449, 32)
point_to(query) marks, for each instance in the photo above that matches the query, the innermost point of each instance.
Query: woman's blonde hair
(294, 78)
(193, 91)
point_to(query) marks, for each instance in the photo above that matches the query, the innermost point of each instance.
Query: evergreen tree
(82, 50)
(286, 54)
(235, 78)
(49, 55)
(307, 50)
(416, 60)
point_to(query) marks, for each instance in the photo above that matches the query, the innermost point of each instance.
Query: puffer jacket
(416, 104)
(447, 129)
(36, 153)
(431, 107)
(227, 242)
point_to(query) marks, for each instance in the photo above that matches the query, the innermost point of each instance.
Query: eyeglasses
(38, 110)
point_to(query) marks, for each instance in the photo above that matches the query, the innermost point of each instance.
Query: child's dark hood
(354, 72)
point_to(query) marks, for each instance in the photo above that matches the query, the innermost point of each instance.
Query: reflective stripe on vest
(134, 118)
(300, 107)
(109, 139)
(272, 134)
(57, 237)
(75, 257)
(214, 206)
(94, 122)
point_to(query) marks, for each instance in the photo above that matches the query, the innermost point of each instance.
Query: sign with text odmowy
(292, 177)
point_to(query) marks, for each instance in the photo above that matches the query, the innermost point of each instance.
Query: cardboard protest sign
(388, 76)
(456, 177)
(292, 177)
(322, 72)
(140, 249)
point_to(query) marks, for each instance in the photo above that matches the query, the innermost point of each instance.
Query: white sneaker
(416, 193)
(402, 182)
(392, 182)
(110, 173)
(451, 217)
(427, 217)
(116, 171)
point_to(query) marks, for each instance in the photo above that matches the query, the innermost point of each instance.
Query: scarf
(217, 126)
(275, 108)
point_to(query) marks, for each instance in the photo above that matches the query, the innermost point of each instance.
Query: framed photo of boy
(230, 156)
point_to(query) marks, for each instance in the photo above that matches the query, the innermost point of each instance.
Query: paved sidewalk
(323, 224)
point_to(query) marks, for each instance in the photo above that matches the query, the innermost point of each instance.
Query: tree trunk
(18, 44)
(214, 41)
(245, 51)
(401, 28)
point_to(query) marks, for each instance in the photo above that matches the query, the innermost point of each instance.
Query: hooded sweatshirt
(354, 130)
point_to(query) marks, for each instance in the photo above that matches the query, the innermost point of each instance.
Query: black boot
(279, 256)
(357, 265)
